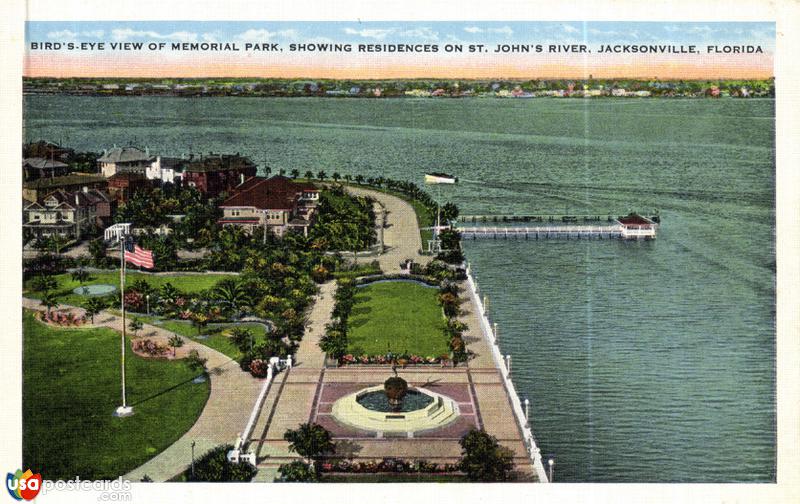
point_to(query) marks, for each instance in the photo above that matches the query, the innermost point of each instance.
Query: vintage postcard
(396, 250)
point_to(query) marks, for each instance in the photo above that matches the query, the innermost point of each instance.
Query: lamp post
(147, 297)
(193, 461)
(550, 464)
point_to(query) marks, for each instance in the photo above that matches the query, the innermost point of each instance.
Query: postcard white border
(784, 12)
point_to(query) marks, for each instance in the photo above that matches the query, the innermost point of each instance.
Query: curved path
(225, 414)
(401, 234)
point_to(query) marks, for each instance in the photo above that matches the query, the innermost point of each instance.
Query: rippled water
(643, 361)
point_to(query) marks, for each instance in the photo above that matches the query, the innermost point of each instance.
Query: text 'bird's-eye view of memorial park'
(418, 289)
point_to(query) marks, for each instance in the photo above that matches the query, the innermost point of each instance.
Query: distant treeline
(401, 87)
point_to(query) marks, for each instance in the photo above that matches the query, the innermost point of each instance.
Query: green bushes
(483, 459)
(214, 466)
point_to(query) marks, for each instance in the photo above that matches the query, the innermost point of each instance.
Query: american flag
(138, 256)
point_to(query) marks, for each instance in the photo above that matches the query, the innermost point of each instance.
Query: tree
(309, 174)
(135, 325)
(359, 179)
(233, 294)
(93, 306)
(80, 275)
(175, 341)
(311, 441)
(97, 249)
(295, 173)
(214, 466)
(483, 459)
(200, 321)
(321, 175)
(195, 362)
(49, 301)
(336, 176)
(43, 283)
(348, 177)
(297, 472)
(242, 338)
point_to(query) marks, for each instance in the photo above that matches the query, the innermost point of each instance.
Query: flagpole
(123, 410)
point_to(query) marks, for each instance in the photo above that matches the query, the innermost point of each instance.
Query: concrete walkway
(401, 234)
(233, 393)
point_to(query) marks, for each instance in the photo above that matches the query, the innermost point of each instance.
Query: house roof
(634, 220)
(276, 193)
(125, 155)
(42, 163)
(45, 150)
(219, 162)
(172, 162)
(66, 180)
(128, 176)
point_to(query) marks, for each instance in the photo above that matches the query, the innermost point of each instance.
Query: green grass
(403, 316)
(217, 335)
(185, 283)
(71, 387)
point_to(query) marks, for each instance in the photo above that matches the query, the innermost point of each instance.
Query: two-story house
(217, 173)
(277, 204)
(124, 160)
(69, 215)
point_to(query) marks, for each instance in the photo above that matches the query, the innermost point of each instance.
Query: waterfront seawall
(519, 414)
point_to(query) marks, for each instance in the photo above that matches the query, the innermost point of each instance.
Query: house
(124, 159)
(217, 173)
(166, 169)
(36, 167)
(634, 227)
(47, 150)
(277, 203)
(67, 214)
(122, 186)
(36, 189)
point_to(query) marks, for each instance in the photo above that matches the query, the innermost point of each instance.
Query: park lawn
(182, 282)
(403, 317)
(217, 334)
(71, 387)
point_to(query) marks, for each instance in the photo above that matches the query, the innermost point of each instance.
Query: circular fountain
(395, 408)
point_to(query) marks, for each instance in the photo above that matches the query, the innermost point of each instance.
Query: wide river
(643, 361)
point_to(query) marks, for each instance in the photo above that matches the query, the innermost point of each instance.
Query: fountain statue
(395, 389)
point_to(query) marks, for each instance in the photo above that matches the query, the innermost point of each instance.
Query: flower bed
(402, 360)
(149, 347)
(387, 465)
(61, 319)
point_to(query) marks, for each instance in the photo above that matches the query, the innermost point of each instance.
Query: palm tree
(310, 441)
(233, 294)
(359, 179)
(80, 275)
(44, 283)
(336, 176)
(267, 170)
(309, 174)
(168, 293)
(135, 325)
(295, 173)
(175, 341)
(348, 177)
(93, 306)
(49, 301)
(321, 175)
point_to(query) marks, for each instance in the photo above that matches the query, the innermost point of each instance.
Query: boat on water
(440, 178)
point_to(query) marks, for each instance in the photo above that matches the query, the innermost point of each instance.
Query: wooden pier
(541, 232)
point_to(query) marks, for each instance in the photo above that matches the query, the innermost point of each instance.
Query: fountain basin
(354, 410)
(94, 290)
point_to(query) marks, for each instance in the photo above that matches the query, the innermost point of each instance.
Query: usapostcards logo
(23, 485)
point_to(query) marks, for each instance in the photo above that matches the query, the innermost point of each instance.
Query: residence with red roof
(217, 173)
(277, 204)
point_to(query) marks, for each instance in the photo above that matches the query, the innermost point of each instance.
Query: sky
(361, 65)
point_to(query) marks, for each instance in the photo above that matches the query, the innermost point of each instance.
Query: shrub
(214, 466)
(149, 347)
(297, 471)
(483, 459)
